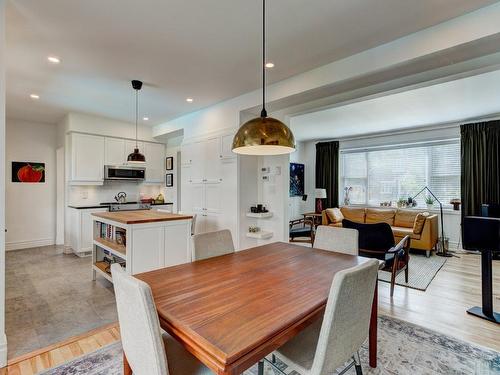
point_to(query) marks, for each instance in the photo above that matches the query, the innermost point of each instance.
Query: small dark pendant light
(263, 135)
(136, 157)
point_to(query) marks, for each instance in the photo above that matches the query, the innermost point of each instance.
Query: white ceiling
(457, 100)
(208, 50)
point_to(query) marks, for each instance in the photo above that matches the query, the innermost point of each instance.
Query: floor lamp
(444, 252)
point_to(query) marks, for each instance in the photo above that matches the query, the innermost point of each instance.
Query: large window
(398, 172)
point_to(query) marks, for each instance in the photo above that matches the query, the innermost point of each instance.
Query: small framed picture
(170, 179)
(170, 163)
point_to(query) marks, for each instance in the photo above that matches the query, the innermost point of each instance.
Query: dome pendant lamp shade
(136, 157)
(263, 135)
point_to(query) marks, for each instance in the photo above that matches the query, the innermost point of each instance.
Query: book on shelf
(111, 233)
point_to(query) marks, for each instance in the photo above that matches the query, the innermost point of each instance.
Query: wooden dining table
(231, 311)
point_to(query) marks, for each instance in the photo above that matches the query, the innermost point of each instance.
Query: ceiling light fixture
(34, 96)
(269, 65)
(136, 157)
(189, 100)
(263, 135)
(145, 118)
(54, 59)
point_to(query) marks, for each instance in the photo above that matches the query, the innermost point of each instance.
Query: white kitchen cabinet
(155, 162)
(87, 158)
(149, 246)
(114, 151)
(81, 237)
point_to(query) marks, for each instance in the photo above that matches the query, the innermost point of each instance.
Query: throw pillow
(335, 215)
(418, 225)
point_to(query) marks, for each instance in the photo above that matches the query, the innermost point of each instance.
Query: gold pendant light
(263, 135)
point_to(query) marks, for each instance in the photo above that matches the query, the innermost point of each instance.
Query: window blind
(392, 173)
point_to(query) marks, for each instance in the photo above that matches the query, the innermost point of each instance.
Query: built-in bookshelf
(110, 246)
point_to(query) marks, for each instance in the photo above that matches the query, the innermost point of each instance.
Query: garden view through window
(392, 173)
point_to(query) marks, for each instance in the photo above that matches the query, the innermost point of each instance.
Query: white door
(114, 151)
(155, 162)
(213, 204)
(87, 158)
(186, 189)
(187, 154)
(198, 197)
(212, 160)
(198, 162)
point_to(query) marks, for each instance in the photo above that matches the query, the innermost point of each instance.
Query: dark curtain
(327, 171)
(480, 162)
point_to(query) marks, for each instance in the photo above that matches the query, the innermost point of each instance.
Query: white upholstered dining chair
(340, 240)
(212, 244)
(328, 344)
(146, 350)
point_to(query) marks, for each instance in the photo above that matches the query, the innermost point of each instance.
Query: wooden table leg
(126, 367)
(372, 337)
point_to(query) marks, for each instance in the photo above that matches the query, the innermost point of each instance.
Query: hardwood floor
(441, 308)
(51, 356)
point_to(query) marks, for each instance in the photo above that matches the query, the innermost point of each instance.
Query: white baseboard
(17, 245)
(3, 350)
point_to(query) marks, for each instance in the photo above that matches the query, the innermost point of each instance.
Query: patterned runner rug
(421, 271)
(404, 348)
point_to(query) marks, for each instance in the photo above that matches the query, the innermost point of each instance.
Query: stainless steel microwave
(124, 173)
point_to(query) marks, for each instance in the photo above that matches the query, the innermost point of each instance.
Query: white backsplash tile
(90, 195)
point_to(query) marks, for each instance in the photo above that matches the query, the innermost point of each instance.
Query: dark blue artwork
(296, 179)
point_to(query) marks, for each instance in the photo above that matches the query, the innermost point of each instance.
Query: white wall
(80, 122)
(30, 208)
(305, 154)
(3, 337)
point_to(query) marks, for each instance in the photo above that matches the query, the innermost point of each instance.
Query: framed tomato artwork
(28, 172)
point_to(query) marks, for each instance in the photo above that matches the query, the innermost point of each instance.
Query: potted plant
(430, 202)
(402, 203)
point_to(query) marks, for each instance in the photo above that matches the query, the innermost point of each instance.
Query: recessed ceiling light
(145, 118)
(54, 59)
(269, 65)
(34, 96)
(189, 100)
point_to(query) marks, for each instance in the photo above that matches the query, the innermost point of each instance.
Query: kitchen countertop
(140, 216)
(82, 207)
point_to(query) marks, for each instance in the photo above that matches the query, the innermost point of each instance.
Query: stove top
(131, 206)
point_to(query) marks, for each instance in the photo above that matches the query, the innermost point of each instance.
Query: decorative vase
(430, 206)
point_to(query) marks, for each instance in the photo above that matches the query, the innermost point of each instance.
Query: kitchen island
(141, 241)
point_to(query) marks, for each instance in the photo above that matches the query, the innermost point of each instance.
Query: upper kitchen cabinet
(114, 151)
(155, 162)
(87, 159)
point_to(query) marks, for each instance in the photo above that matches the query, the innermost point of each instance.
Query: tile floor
(50, 296)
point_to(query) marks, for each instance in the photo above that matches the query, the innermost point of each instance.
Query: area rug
(404, 348)
(421, 271)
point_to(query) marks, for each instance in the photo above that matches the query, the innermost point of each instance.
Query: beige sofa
(402, 222)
